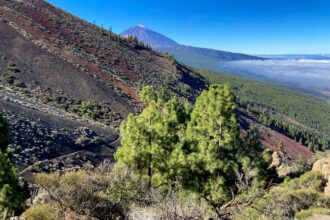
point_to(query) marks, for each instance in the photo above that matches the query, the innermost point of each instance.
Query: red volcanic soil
(271, 139)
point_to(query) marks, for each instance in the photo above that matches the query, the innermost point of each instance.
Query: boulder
(277, 159)
(323, 166)
(327, 189)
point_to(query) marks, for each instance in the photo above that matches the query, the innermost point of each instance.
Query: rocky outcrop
(323, 166)
(277, 159)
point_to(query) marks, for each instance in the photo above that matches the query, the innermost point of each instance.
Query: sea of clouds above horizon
(301, 72)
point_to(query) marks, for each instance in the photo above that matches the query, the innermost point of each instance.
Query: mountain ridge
(194, 56)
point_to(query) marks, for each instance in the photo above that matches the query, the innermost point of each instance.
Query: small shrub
(18, 83)
(8, 78)
(57, 99)
(295, 197)
(104, 193)
(12, 68)
(310, 180)
(304, 214)
(48, 211)
(88, 110)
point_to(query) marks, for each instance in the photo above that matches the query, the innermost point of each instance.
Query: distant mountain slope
(194, 56)
(205, 58)
(150, 37)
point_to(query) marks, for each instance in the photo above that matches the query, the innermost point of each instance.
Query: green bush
(304, 214)
(311, 180)
(18, 83)
(104, 193)
(290, 199)
(48, 211)
(8, 78)
(13, 68)
(89, 110)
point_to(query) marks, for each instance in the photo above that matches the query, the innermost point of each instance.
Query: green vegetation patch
(300, 197)
(47, 211)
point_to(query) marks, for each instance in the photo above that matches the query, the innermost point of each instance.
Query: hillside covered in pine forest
(300, 116)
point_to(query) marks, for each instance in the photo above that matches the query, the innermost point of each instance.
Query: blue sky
(249, 26)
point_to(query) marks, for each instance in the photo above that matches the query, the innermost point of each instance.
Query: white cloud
(304, 72)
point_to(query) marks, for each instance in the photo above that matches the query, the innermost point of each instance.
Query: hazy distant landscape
(302, 73)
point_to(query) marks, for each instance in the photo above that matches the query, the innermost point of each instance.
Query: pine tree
(3, 134)
(218, 158)
(139, 141)
(11, 197)
(213, 134)
(175, 116)
(151, 141)
(11, 194)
